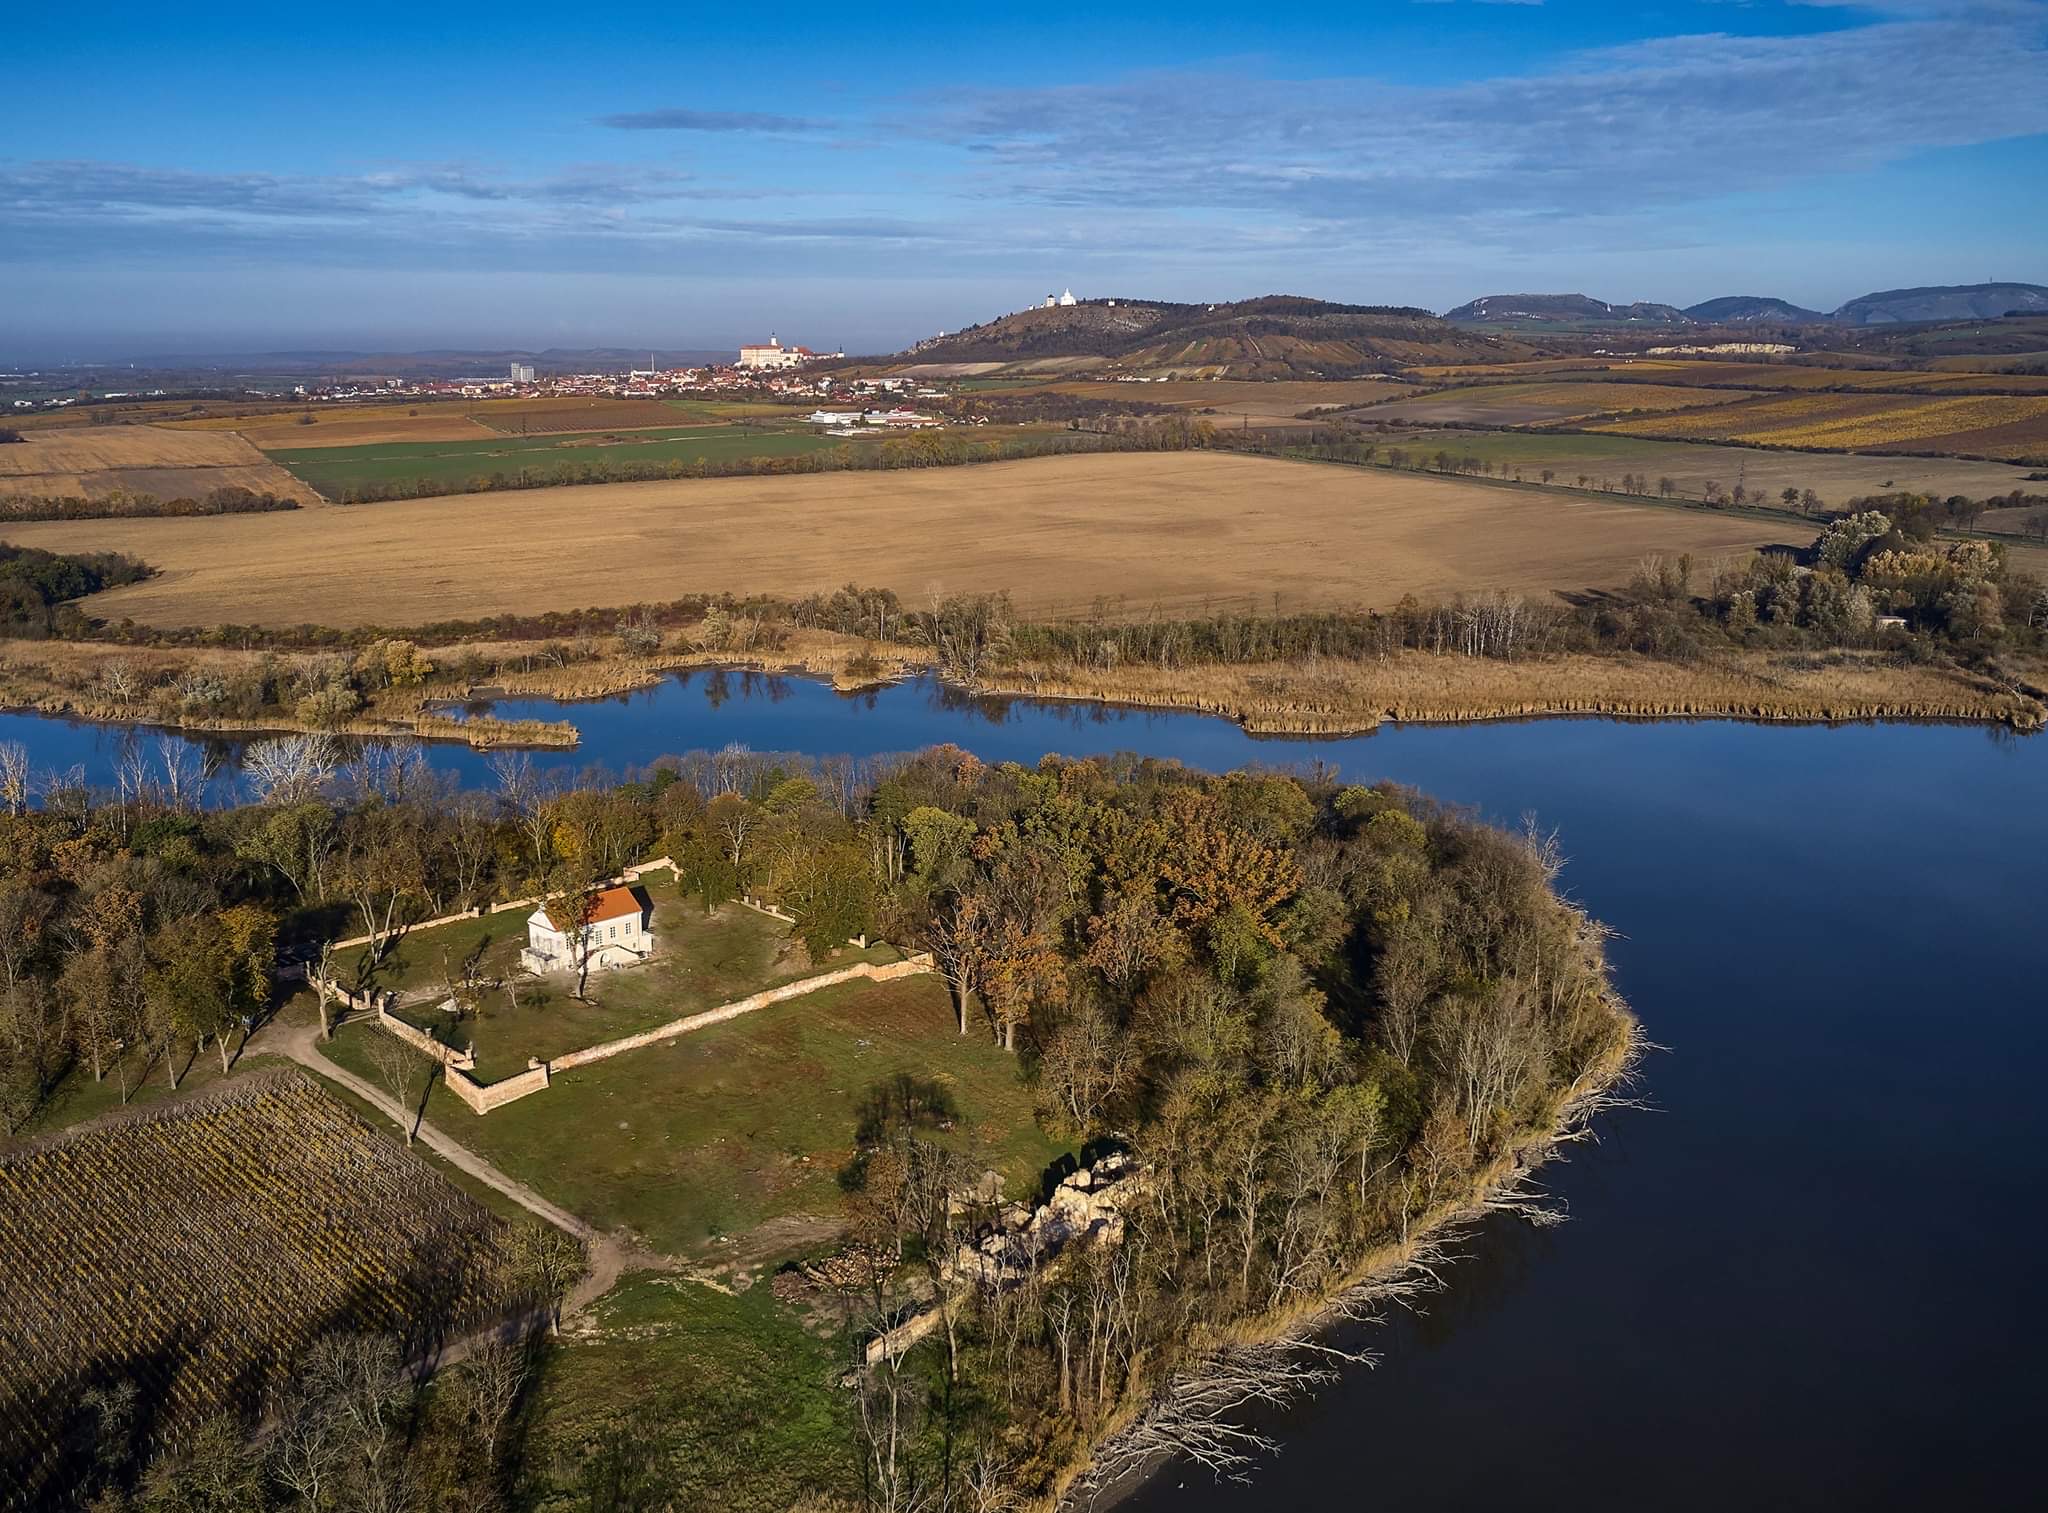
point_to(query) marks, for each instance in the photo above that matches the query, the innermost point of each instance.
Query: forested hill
(1277, 336)
(1571, 309)
(1944, 302)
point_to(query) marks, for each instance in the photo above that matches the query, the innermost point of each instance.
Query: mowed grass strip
(1189, 531)
(720, 1131)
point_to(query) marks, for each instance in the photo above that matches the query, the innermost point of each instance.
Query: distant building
(522, 372)
(1066, 297)
(773, 354)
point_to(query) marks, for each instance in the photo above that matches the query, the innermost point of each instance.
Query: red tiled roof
(612, 903)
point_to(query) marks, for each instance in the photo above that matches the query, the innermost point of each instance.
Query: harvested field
(538, 417)
(350, 428)
(93, 462)
(197, 1250)
(1233, 399)
(1516, 404)
(1836, 476)
(1990, 425)
(1182, 531)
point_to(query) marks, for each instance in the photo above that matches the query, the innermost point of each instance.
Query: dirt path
(609, 1257)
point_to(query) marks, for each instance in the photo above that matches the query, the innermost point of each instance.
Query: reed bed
(1328, 697)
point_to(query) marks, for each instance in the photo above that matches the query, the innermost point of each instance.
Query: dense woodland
(1313, 1011)
(34, 583)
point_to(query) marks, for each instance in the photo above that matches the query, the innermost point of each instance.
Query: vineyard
(2007, 426)
(195, 1252)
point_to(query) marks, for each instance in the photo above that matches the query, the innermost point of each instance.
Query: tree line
(1313, 1015)
(122, 505)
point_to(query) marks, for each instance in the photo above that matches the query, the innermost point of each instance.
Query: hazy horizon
(382, 180)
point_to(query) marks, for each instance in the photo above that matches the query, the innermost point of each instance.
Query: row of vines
(195, 1252)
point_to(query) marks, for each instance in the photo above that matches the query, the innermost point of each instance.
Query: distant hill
(1943, 302)
(432, 364)
(1753, 310)
(1276, 336)
(1562, 309)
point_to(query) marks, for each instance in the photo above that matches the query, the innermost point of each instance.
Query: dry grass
(100, 460)
(1331, 697)
(1177, 531)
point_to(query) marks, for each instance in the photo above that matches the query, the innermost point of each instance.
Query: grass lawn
(701, 1398)
(417, 960)
(717, 1132)
(456, 463)
(702, 960)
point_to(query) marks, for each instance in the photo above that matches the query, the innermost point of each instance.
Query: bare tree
(289, 769)
(182, 773)
(404, 1071)
(14, 776)
(489, 1384)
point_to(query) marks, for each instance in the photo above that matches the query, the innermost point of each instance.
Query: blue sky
(228, 177)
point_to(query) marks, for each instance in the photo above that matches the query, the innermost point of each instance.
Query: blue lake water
(1808, 1279)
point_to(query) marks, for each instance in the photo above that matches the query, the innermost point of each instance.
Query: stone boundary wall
(483, 1097)
(421, 1041)
(631, 874)
(909, 967)
(374, 1004)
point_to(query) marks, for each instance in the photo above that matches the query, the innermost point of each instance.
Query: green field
(690, 1397)
(701, 961)
(333, 470)
(718, 1132)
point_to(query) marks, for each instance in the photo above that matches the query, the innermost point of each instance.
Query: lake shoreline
(1309, 699)
(1386, 1272)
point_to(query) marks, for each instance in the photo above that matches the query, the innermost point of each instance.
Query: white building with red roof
(617, 932)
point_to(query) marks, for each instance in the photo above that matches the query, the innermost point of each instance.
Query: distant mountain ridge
(1944, 302)
(1937, 302)
(1274, 336)
(445, 362)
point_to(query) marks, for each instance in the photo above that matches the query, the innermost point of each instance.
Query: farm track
(609, 1256)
